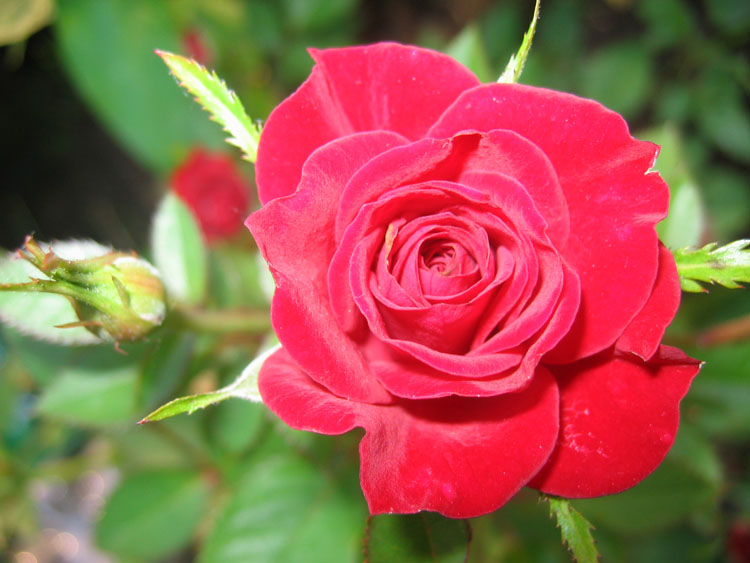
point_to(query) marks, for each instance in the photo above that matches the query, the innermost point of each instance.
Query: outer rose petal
(379, 87)
(619, 417)
(295, 235)
(613, 202)
(643, 335)
(457, 456)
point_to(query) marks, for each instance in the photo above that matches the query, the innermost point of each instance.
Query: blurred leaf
(91, 397)
(696, 455)
(39, 314)
(467, 48)
(21, 18)
(164, 366)
(726, 265)
(244, 387)
(238, 277)
(731, 16)
(620, 76)
(515, 65)
(669, 21)
(222, 103)
(416, 538)
(685, 223)
(179, 251)
(235, 424)
(728, 202)
(722, 114)
(502, 23)
(285, 509)
(677, 488)
(319, 15)
(152, 514)
(575, 530)
(108, 47)
(718, 398)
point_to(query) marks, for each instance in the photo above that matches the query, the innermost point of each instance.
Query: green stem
(254, 321)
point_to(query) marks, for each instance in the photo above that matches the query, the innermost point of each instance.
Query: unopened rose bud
(116, 296)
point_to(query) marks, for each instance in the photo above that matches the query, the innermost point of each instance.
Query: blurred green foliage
(230, 483)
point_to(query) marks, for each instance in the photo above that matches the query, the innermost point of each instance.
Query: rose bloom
(213, 189)
(471, 273)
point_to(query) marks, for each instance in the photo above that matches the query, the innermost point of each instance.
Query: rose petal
(613, 202)
(643, 335)
(457, 456)
(619, 417)
(378, 87)
(295, 235)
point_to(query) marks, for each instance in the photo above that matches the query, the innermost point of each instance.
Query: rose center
(445, 258)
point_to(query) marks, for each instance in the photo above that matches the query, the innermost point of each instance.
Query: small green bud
(116, 296)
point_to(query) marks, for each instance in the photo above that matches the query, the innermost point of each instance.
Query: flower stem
(254, 321)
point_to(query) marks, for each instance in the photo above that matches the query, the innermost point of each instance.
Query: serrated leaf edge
(229, 112)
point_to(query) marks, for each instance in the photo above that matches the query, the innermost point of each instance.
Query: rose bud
(116, 296)
(471, 273)
(215, 192)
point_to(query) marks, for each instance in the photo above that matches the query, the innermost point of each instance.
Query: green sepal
(727, 265)
(217, 99)
(574, 529)
(514, 68)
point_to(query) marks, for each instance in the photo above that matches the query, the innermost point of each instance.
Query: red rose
(470, 273)
(214, 190)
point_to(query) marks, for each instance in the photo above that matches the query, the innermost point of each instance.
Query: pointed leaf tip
(574, 529)
(515, 65)
(212, 93)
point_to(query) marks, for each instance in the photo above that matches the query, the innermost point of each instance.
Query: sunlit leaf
(222, 103)
(179, 251)
(727, 265)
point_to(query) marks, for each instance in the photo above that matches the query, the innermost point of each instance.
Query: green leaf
(107, 47)
(286, 509)
(686, 222)
(513, 70)
(620, 76)
(575, 530)
(39, 314)
(222, 103)
(416, 538)
(179, 251)
(467, 48)
(152, 514)
(91, 397)
(727, 265)
(238, 277)
(718, 399)
(244, 387)
(164, 365)
(236, 424)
